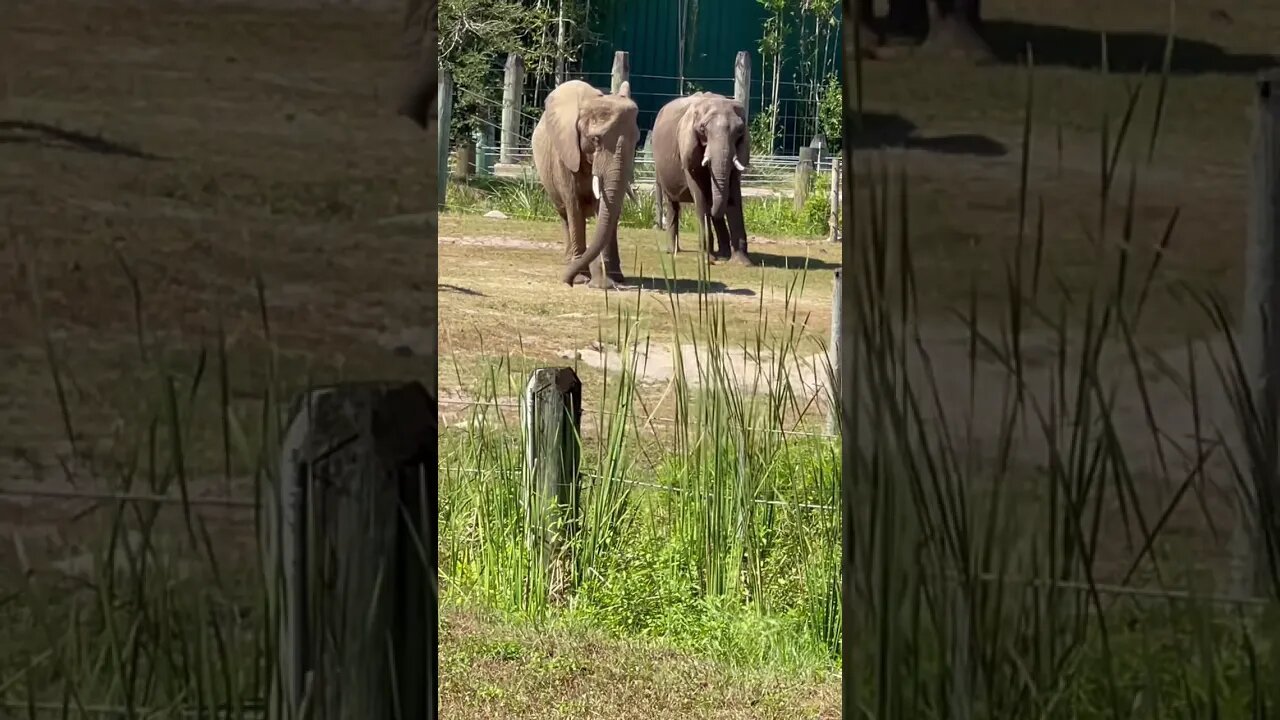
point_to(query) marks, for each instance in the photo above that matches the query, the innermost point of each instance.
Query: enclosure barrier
(350, 533)
(510, 155)
(550, 493)
(1260, 540)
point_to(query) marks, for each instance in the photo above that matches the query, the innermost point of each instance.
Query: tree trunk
(955, 31)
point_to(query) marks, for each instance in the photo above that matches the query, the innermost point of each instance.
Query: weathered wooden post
(464, 162)
(833, 355)
(512, 101)
(444, 114)
(1261, 349)
(484, 150)
(552, 421)
(742, 80)
(621, 70)
(833, 217)
(804, 176)
(819, 143)
(350, 536)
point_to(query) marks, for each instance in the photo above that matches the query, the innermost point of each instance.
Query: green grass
(698, 534)
(524, 199)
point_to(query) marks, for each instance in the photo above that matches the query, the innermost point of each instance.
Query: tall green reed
(979, 529)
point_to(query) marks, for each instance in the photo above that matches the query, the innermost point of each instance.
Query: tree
(477, 35)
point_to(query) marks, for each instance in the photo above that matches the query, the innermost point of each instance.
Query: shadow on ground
(460, 290)
(683, 286)
(884, 130)
(791, 262)
(35, 133)
(1127, 51)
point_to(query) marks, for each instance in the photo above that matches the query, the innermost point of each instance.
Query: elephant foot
(617, 277)
(716, 258)
(603, 283)
(741, 258)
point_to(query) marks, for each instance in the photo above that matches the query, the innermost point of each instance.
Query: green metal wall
(716, 30)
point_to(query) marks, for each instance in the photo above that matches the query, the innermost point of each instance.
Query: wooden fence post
(804, 176)
(444, 114)
(484, 151)
(464, 161)
(833, 217)
(512, 99)
(621, 70)
(552, 422)
(833, 353)
(742, 80)
(350, 535)
(1260, 347)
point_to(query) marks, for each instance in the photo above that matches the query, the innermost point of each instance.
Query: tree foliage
(800, 37)
(477, 35)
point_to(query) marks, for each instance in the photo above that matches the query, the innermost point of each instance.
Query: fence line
(36, 493)
(595, 477)
(1116, 590)
(256, 710)
(644, 421)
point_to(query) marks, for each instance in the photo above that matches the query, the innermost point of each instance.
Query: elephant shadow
(684, 286)
(884, 130)
(792, 262)
(45, 135)
(1127, 51)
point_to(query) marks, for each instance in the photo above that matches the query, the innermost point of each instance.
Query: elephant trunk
(614, 182)
(721, 164)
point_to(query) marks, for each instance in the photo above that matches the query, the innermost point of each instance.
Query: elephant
(584, 148)
(701, 148)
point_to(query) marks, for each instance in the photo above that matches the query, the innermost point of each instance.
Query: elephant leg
(673, 226)
(576, 237)
(702, 206)
(613, 260)
(737, 226)
(600, 279)
(720, 236)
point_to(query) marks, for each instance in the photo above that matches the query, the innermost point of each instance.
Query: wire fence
(795, 111)
(795, 122)
(1139, 592)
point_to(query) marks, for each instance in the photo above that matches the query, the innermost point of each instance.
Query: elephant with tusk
(584, 148)
(701, 150)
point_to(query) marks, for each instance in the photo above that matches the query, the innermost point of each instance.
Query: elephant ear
(744, 144)
(688, 135)
(561, 118)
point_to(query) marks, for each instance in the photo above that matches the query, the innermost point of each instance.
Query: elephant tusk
(738, 164)
(595, 186)
(706, 160)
